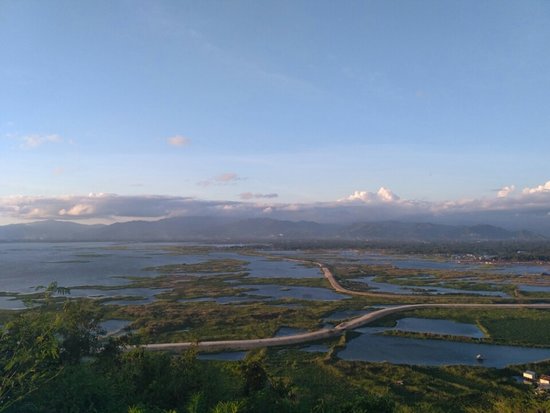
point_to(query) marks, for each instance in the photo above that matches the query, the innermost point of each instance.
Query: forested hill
(224, 229)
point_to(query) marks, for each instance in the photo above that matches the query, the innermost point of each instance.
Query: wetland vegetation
(196, 293)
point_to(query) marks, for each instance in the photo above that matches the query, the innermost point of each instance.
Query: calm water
(10, 303)
(370, 346)
(436, 326)
(535, 288)
(24, 266)
(425, 289)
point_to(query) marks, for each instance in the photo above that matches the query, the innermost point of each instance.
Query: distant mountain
(227, 229)
(49, 230)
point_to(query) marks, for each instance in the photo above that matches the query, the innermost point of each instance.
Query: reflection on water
(370, 346)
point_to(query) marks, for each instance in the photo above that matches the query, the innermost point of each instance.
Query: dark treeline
(526, 251)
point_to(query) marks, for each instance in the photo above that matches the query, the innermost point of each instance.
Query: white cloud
(386, 195)
(178, 140)
(360, 196)
(34, 141)
(78, 210)
(505, 191)
(382, 195)
(538, 189)
(361, 205)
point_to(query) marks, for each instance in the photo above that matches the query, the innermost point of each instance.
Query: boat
(479, 358)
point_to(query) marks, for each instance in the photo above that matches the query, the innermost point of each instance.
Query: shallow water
(535, 288)
(425, 289)
(11, 303)
(436, 326)
(23, 266)
(370, 346)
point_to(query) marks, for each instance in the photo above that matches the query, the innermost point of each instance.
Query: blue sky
(309, 100)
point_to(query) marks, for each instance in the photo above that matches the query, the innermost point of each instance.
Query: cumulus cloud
(383, 195)
(360, 206)
(34, 141)
(505, 191)
(250, 195)
(78, 210)
(178, 140)
(544, 188)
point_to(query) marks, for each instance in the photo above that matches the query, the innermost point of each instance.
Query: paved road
(338, 330)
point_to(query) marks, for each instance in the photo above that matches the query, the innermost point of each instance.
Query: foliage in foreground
(54, 359)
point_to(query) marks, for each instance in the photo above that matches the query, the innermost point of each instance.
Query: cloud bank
(528, 208)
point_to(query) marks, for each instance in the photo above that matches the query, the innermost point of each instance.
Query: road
(233, 345)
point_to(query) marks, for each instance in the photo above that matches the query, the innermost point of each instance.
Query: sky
(418, 106)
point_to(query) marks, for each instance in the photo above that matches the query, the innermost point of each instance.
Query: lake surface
(25, 266)
(371, 346)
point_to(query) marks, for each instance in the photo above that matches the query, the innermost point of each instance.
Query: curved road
(223, 345)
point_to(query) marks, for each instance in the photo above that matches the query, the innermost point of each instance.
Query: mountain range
(204, 228)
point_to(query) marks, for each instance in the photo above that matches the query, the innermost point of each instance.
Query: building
(529, 375)
(544, 380)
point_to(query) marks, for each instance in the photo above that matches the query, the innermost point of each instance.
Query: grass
(525, 327)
